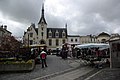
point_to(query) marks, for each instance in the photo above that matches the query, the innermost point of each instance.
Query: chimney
(5, 27)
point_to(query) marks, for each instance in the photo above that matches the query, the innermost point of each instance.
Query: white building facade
(73, 39)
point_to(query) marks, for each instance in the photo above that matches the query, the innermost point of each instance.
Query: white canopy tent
(92, 45)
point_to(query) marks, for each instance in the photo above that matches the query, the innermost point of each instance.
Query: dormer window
(50, 34)
(57, 34)
(63, 34)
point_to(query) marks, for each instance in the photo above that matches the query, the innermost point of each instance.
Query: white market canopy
(92, 45)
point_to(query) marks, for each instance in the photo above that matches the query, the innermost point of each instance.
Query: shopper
(43, 55)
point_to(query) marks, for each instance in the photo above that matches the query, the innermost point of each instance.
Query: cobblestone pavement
(55, 64)
(72, 75)
(106, 74)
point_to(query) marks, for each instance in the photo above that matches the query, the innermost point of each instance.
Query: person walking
(43, 55)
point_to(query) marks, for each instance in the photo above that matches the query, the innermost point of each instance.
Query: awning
(93, 45)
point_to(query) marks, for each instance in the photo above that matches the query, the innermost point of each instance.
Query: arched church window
(42, 42)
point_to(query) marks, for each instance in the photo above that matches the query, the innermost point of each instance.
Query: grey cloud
(55, 21)
(24, 11)
(79, 14)
(88, 25)
(108, 10)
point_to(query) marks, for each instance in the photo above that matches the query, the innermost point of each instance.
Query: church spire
(42, 19)
(42, 10)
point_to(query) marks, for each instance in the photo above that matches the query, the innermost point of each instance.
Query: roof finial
(66, 25)
(43, 9)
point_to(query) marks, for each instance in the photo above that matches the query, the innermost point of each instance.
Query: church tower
(42, 28)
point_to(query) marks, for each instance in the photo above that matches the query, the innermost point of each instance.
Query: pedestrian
(73, 52)
(43, 55)
(78, 53)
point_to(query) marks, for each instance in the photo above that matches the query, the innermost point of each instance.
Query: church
(51, 37)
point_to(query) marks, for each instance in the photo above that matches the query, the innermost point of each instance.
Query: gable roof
(44, 21)
(36, 29)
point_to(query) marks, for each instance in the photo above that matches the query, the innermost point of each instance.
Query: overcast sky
(83, 17)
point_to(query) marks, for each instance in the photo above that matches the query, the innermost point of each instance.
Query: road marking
(93, 75)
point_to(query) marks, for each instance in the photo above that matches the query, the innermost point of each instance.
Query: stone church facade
(51, 37)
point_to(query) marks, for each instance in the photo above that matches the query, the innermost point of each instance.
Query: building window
(57, 42)
(57, 34)
(63, 41)
(42, 28)
(42, 33)
(50, 42)
(75, 40)
(31, 42)
(31, 34)
(50, 34)
(71, 40)
(63, 34)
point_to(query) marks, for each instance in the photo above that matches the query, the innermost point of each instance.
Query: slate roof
(103, 34)
(42, 18)
(53, 30)
(73, 36)
(36, 29)
(4, 30)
